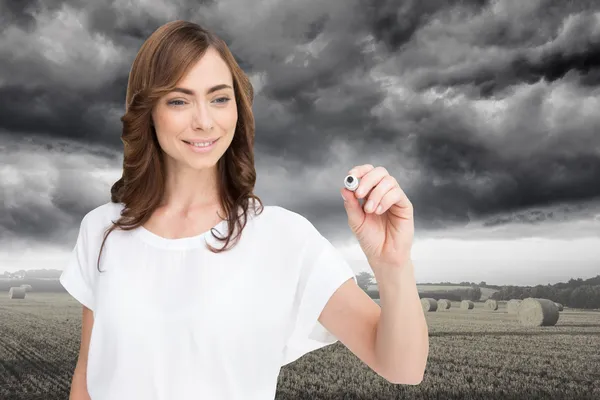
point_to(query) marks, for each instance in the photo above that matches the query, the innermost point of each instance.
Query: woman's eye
(181, 102)
(223, 98)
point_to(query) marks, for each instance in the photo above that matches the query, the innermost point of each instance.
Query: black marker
(351, 182)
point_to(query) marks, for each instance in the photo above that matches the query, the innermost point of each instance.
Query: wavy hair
(163, 59)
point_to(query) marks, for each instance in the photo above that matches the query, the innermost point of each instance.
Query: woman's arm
(79, 382)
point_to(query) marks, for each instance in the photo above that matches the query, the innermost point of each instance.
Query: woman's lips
(201, 149)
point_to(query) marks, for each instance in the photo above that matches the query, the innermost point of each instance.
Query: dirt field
(474, 354)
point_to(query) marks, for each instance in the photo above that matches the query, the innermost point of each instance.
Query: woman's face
(194, 113)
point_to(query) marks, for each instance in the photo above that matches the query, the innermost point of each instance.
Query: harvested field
(474, 354)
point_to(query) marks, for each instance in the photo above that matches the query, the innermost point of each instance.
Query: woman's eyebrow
(209, 91)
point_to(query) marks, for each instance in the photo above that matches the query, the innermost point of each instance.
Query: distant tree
(585, 296)
(582, 296)
(474, 293)
(364, 280)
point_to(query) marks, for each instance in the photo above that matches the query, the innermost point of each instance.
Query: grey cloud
(394, 23)
(319, 69)
(566, 43)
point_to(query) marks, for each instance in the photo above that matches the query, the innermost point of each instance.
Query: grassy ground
(474, 354)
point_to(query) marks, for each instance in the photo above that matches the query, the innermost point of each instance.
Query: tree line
(584, 296)
(576, 293)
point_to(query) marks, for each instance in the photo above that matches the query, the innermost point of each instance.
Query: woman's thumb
(353, 208)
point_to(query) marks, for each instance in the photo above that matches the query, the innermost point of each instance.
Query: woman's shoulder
(288, 221)
(103, 215)
(287, 214)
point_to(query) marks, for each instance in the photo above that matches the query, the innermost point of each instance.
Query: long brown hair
(161, 62)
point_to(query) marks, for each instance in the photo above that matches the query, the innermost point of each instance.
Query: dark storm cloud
(564, 42)
(469, 173)
(531, 67)
(45, 189)
(17, 13)
(395, 22)
(62, 112)
(370, 73)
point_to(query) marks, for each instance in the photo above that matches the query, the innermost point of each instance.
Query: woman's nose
(202, 118)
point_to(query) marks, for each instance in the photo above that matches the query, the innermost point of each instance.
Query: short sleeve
(77, 276)
(323, 271)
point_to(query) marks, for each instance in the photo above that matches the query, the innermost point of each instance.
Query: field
(474, 354)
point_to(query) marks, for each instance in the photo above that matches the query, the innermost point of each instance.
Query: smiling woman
(170, 316)
(188, 112)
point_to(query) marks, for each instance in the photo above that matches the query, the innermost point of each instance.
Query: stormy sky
(486, 112)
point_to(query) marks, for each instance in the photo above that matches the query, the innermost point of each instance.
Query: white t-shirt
(174, 321)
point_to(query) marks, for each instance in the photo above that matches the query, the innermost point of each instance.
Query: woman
(172, 316)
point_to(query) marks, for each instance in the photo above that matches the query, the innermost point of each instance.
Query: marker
(351, 182)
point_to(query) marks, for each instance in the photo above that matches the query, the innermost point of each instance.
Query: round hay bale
(559, 306)
(429, 304)
(16, 293)
(27, 288)
(467, 305)
(538, 312)
(490, 304)
(444, 304)
(512, 306)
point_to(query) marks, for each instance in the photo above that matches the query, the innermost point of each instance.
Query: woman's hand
(385, 236)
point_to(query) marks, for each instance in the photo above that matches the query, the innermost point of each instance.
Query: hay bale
(444, 304)
(16, 293)
(538, 312)
(559, 306)
(490, 304)
(27, 288)
(429, 304)
(467, 305)
(512, 306)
